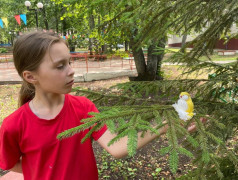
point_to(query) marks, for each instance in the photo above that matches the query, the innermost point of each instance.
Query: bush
(3, 50)
(117, 53)
(121, 54)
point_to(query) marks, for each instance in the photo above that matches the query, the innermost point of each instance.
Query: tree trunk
(91, 26)
(104, 48)
(45, 20)
(64, 29)
(139, 61)
(160, 56)
(184, 42)
(72, 43)
(64, 24)
(151, 71)
(154, 60)
(126, 45)
(56, 18)
(152, 63)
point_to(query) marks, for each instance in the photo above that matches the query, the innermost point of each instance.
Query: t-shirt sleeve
(96, 134)
(9, 149)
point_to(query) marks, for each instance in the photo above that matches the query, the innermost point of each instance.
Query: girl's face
(55, 75)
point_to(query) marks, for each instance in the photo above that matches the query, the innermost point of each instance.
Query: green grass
(81, 49)
(213, 57)
(4, 60)
(8, 100)
(173, 49)
(216, 57)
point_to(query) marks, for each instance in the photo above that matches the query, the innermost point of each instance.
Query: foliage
(143, 106)
(48, 18)
(89, 19)
(119, 53)
(136, 109)
(132, 107)
(228, 171)
(8, 100)
(3, 50)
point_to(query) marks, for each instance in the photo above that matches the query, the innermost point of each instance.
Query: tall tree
(121, 22)
(134, 110)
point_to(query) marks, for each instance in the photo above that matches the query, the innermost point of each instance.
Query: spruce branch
(129, 114)
(94, 128)
(132, 142)
(75, 130)
(217, 167)
(165, 150)
(173, 160)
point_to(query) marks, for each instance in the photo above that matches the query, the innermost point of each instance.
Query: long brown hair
(28, 52)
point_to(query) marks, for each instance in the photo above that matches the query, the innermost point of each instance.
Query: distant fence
(84, 60)
(6, 61)
(5, 45)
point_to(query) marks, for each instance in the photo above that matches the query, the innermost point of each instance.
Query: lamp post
(12, 34)
(11, 39)
(40, 7)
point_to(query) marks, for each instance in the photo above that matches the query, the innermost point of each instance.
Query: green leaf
(111, 126)
(205, 156)
(214, 138)
(132, 142)
(121, 121)
(119, 136)
(173, 161)
(88, 135)
(193, 141)
(158, 118)
(146, 128)
(75, 130)
(165, 150)
(185, 152)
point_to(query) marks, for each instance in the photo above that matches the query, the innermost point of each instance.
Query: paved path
(84, 71)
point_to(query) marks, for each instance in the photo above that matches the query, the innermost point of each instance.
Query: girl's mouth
(70, 83)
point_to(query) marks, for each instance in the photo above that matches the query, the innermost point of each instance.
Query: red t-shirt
(44, 157)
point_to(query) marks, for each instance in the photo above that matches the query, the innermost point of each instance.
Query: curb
(108, 75)
(92, 76)
(10, 82)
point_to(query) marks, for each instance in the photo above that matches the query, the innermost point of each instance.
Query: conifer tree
(140, 106)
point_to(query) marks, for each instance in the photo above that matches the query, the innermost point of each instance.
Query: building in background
(176, 41)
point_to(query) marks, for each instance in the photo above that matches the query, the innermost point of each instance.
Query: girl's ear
(29, 76)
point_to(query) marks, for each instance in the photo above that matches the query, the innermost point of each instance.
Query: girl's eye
(60, 67)
(63, 65)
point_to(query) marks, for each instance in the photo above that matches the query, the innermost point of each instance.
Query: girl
(28, 141)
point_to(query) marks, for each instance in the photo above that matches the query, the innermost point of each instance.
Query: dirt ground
(147, 164)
